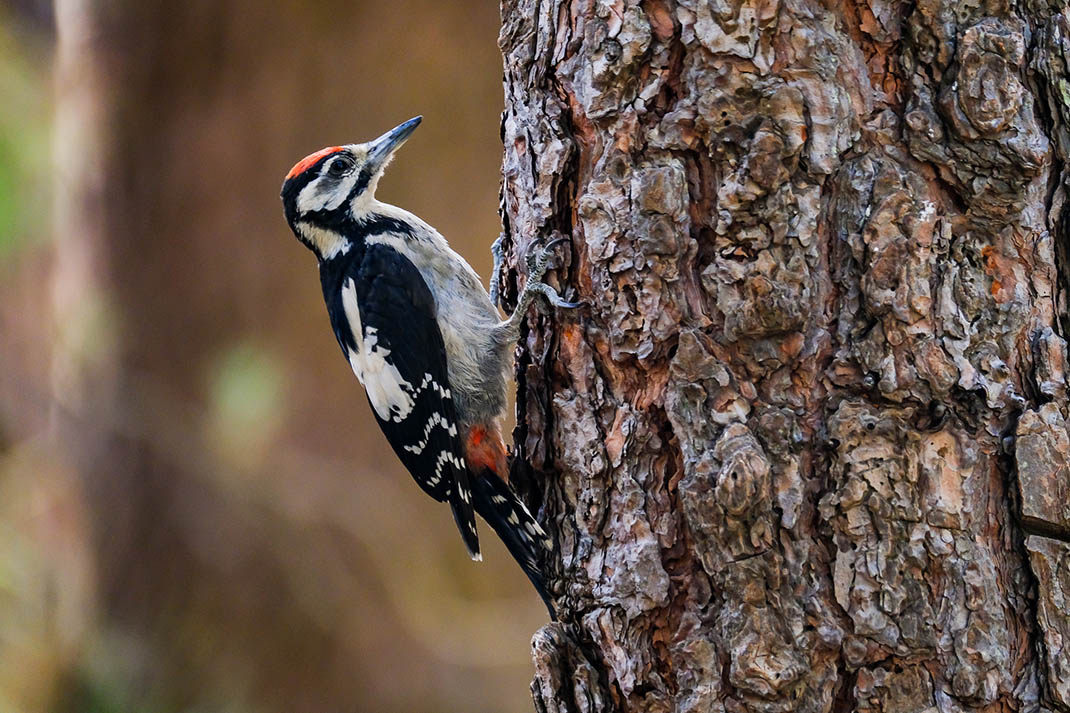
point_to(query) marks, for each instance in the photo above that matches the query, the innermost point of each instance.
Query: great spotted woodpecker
(422, 335)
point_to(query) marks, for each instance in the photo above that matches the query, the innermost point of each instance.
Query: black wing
(384, 317)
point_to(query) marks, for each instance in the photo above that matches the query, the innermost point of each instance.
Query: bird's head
(326, 193)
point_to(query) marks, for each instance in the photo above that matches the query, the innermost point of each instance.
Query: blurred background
(197, 511)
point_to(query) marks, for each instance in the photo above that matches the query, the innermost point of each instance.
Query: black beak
(381, 149)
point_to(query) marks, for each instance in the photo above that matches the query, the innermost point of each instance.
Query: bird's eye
(339, 167)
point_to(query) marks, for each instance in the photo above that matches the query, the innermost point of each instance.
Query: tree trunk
(805, 448)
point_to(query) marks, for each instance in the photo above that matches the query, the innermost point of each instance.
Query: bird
(423, 336)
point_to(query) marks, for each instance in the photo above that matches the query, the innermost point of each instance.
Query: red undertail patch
(484, 448)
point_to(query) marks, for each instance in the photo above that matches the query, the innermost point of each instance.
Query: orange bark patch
(616, 438)
(1000, 270)
(661, 20)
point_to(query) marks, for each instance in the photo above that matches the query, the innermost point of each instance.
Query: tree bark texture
(805, 448)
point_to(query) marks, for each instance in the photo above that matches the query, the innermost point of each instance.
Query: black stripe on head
(303, 173)
(291, 188)
(364, 179)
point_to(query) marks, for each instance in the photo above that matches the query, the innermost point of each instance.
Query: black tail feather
(464, 514)
(518, 529)
(466, 524)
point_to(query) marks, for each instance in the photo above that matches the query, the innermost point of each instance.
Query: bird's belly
(475, 363)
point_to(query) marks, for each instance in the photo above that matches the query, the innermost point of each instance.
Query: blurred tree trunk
(806, 449)
(230, 570)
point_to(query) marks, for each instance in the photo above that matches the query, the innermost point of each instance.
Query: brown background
(197, 511)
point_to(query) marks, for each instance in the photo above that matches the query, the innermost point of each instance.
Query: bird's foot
(538, 260)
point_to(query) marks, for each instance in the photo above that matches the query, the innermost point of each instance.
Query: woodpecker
(422, 335)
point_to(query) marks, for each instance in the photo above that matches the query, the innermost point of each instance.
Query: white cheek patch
(323, 193)
(388, 391)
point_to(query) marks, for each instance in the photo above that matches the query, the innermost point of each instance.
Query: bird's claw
(553, 298)
(538, 257)
(538, 260)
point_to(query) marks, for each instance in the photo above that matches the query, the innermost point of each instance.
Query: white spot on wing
(388, 391)
(443, 458)
(435, 386)
(435, 420)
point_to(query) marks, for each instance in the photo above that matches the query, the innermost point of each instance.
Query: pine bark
(805, 448)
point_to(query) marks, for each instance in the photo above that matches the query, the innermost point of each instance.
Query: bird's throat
(327, 244)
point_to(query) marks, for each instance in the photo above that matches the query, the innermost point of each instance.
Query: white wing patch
(390, 394)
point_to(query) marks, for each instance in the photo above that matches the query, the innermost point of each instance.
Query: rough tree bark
(806, 449)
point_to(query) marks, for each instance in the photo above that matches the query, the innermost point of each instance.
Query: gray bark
(806, 448)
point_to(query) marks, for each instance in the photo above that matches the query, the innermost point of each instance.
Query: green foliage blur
(24, 138)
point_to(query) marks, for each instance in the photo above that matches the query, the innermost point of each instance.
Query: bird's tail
(496, 503)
